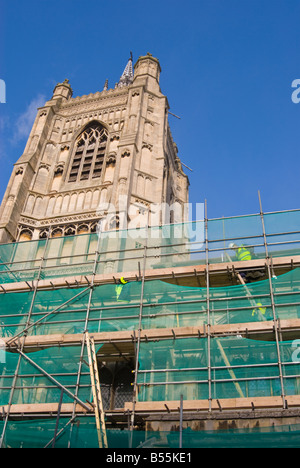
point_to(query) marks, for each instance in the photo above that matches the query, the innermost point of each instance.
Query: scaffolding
(198, 329)
(169, 246)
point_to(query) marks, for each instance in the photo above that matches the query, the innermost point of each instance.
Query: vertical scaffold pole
(58, 417)
(24, 338)
(208, 312)
(275, 319)
(138, 340)
(180, 421)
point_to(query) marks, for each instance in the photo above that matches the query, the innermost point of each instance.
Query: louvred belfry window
(89, 153)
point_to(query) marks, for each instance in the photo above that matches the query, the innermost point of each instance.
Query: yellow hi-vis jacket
(260, 309)
(119, 289)
(243, 254)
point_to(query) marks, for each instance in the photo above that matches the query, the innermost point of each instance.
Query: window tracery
(89, 153)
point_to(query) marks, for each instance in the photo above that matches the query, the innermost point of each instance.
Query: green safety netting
(39, 434)
(173, 245)
(240, 368)
(115, 307)
(167, 369)
(33, 386)
(265, 437)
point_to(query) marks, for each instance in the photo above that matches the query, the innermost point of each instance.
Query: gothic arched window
(89, 153)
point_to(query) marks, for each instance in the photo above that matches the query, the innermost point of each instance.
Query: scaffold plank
(258, 403)
(189, 275)
(266, 327)
(42, 408)
(203, 405)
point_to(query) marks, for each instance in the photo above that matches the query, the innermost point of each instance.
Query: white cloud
(25, 121)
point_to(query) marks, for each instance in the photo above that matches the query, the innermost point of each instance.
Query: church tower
(85, 153)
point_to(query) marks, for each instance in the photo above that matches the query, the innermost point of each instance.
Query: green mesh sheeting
(83, 434)
(268, 437)
(167, 369)
(14, 309)
(173, 245)
(116, 307)
(237, 367)
(33, 386)
(283, 244)
(240, 368)
(20, 261)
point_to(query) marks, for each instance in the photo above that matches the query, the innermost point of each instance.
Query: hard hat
(232, 245)
(123, 281)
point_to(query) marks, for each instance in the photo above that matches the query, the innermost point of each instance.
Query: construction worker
(261, 313)
(122, 291)
(243, 253)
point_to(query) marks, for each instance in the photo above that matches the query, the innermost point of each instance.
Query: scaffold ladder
(96, 389)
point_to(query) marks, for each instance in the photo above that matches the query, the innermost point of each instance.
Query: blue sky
(227, 70)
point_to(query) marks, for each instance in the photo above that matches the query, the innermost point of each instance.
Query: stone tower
(90, 151)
